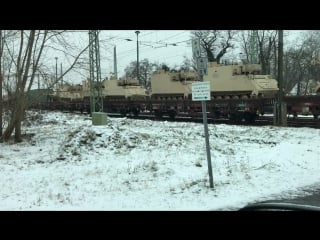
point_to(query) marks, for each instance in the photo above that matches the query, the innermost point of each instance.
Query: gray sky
(162, 46)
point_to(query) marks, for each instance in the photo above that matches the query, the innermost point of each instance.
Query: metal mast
(115, 62)
(1, 78)
(96, 99)
(282, 112)
(253, 47)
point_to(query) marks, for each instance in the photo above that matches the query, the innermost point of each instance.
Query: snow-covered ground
(65, 163)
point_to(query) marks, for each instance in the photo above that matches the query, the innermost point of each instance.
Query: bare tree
(25, 50)
(299, 71)
(145, 70)
(188, 64)
(267, 48)
(294, 70)
(131, 70)
(215, 43)
(244, 37)
(267, 42)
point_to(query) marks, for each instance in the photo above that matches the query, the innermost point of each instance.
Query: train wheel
(123, 112)
(249, 117)
(172, 115)
(135, 112)
(158, 114)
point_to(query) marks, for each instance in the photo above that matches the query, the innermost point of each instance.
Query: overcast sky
(162, 46)
(157, 46)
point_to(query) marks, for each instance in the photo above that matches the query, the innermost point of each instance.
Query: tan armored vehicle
(239, 81)
(114, 88)
(226, 81)
(172, 85)
(68, 91)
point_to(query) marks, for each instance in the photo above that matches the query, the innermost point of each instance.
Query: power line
(147, 46)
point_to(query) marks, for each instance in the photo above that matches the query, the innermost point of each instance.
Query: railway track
(312, 123)
(260, 121)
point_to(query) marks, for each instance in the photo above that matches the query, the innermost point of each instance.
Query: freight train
(303, 105)
(235, 81)
(238, 92)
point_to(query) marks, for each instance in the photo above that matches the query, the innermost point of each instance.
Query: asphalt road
(309, 196)
(303, 199)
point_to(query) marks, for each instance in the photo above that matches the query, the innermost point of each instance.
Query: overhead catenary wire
(151, 47)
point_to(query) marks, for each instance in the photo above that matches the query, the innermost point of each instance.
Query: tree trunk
(210, 56)
(16, 119)
(9, 130)
(299, 85)
(19, 117)
(17, 132)
(306, 88)
(275, 72)
(263, 66)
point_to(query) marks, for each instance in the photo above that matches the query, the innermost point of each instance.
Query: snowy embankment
(65, 163)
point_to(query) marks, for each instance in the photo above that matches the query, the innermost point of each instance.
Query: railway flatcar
(235, 81)
(119, 95)
(238, 91)
(303, 105)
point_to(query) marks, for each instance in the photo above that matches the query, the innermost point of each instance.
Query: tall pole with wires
(253, 46)
(96, 99)
(137, 32)
(281, 105)
(1, 79)
(61, 73)
(115, 62)
(56, 69)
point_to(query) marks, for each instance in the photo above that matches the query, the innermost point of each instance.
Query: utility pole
(281, 105)
(115, 62)
(137, 32)
(1, 79)
(96, 99)
(61, 73)
(254, 47)
(56, 69)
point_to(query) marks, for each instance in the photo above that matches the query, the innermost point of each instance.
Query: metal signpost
(201, 92)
